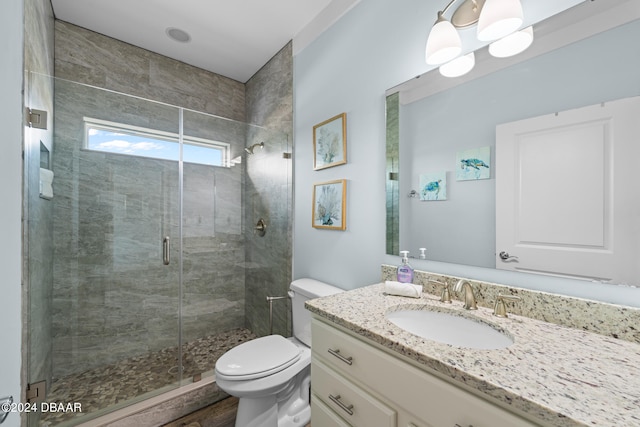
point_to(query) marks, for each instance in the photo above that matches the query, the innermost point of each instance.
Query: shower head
(250, 149)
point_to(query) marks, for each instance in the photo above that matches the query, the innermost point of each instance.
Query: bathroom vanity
(366, 371)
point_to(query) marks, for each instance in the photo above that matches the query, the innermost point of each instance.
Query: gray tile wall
(392, 171)
(113, 297)
(38, 213)
(38, 246)
(87, 57)
(268, 194)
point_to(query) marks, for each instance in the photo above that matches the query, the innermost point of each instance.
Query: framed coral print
(330, 205)
(330, 142)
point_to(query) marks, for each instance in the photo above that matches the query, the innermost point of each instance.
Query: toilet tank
(302, 290)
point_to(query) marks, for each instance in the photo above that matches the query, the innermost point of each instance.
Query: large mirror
(586, 55)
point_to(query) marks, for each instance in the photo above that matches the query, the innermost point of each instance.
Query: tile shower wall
(268, 195)
(101, 314)
(38, 213)
(392, 171)
(112, 296)
(87, 57)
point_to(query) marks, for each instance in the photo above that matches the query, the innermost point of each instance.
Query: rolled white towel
(402, 289)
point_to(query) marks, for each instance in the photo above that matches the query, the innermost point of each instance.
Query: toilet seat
(258, 358)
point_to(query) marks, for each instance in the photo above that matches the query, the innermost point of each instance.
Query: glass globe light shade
(499, 18)
(512, 44)
(443, 43)
(459, 66)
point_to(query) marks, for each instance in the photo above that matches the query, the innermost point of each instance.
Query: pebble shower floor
(109, 385)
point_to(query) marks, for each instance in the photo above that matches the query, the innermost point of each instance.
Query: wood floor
(221, 414)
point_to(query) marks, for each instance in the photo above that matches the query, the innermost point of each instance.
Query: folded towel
(402, 289)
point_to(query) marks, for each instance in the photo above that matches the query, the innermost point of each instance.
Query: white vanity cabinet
(355, 383)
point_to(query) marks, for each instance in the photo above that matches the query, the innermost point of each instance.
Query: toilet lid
(258, 358)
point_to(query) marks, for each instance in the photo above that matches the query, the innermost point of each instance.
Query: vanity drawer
(338, 349)
(324, 416)
(350, 402)
(430, 398)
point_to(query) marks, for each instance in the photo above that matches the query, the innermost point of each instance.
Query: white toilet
(271, 375)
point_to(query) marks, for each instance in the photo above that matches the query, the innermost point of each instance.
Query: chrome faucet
(469, 297)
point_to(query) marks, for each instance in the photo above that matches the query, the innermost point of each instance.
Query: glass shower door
(115, 287)
(213, 246)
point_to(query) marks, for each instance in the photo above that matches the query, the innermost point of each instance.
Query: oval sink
(449, 329)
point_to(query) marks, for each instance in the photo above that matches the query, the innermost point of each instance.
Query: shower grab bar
(270, 301)
(166, 250)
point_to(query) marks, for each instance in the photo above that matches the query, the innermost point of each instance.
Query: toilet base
(289, 408)
(261, 412)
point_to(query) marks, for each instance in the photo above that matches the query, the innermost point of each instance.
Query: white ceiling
(234, 38)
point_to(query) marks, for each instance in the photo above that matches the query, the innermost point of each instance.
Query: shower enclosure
(139, 259)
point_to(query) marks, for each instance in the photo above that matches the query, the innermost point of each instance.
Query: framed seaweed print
(330, 142)
(330, 205)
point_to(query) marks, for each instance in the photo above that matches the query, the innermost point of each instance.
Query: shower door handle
(166, 250)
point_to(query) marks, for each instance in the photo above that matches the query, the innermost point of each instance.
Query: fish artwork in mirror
(560, 124)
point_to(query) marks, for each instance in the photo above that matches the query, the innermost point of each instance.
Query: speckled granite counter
(559, 375)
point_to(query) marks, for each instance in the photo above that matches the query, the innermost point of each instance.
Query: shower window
(119, 138)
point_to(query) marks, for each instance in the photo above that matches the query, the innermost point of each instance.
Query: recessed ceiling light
(178, 35)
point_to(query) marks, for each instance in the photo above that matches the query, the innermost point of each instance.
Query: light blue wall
(375, 46)
(11, 27)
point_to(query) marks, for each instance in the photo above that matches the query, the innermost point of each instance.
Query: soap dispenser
(405, 272)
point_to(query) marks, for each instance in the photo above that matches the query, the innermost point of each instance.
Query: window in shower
(118, 138)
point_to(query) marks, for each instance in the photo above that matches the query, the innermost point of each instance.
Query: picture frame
(330, 142)
(329, 209)
(433, 186)
(473, 164)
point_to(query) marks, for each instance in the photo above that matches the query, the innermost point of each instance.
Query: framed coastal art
(473, 164)
(330, 142)
(330, 205)
(433, 186)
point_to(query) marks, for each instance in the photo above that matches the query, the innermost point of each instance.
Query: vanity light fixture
(496, 19)
(512, 44)
(459, 66)
(444, 42)
(499, 18)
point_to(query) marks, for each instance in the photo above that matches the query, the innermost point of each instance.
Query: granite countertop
(560, 375)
